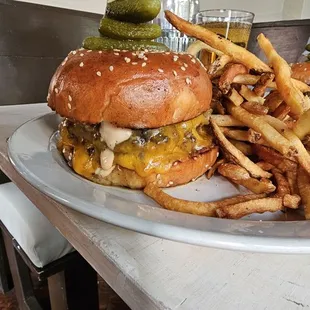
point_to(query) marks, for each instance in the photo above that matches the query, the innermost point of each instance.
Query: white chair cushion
(38, 238)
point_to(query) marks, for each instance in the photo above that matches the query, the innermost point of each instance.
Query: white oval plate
(33, 153)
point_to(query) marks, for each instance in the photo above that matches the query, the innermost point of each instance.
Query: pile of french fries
(261, 122)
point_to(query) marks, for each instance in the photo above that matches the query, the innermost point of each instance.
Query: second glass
(234, 25)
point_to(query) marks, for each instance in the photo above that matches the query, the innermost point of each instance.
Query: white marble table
(150, 273)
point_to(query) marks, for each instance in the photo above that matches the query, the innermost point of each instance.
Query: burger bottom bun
(181, 173)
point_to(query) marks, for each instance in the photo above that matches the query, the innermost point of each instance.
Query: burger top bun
(301, 71)
(130, 89)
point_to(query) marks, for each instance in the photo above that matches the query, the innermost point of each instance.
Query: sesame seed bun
(130, 89)
(301, 71)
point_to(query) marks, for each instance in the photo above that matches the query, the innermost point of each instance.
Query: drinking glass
(234, 25)
(187, 9)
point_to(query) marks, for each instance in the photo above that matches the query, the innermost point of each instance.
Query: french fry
(246, 79)
(216, 68)
(249, 79)
(226, 120)
(213, 169)
(240, 176)
(237, 156)
(254, 136)
(291, 201)
(264, 165)
(228, 76)
(218, 107)
(242, 209)
(302, 155)
(274, 158)
(270, 135)
(197, 46)
(291, 95)
(234, 97)
(303, 182)
(240, 135)
(243, 147)
(237, 53)
(283, 188)
(255, 108)
(281, 111)
(192, 207)
(262, 84)
(249, 95)
(302, 126)
(273, 100)
(292, 181)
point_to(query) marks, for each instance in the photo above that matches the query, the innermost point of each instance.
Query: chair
(32, 244)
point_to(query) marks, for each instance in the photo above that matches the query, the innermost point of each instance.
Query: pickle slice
(101, 43)
(134, 11)
(123, 30)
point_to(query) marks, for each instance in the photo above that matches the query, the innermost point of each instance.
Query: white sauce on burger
(112, 136)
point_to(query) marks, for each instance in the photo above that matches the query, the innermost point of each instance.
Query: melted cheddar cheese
(146, 151)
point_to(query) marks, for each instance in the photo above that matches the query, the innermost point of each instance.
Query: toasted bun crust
(180, 174)
(150, 91)
(301, 71)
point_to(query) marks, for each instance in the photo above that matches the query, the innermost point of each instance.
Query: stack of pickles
(126, 27)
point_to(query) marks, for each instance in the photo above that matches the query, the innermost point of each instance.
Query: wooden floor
(109, 300)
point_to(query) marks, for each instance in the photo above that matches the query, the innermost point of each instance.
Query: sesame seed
(56, 90)
(116, 50)
(98, 73)
(190, 56)
(124, 51)
(193, 60)
(160, 70)
(175, 58)
(111, 68)
(195, 158)
(134, 63)
(207, 166)
(133, 54)
(175, 163)
(194, 180)
(81, 64)
(184, 125)
(170, 183)
(81, 54)
(127, 59)
(116, 53)
(183, 68)
(82, 49)
(69, 106)
(89, 51)
(188, 81)
(70, 156)
(73, 52)
(185, 65)
(174, 73)
(141, 55)
(167, 53)
(145, 58)
(146, 50)
(143, 64)
(70, 98)
(100, 52)
(158, 176)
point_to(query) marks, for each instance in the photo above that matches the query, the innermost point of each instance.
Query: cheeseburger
(301, 71)
(130, 118)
